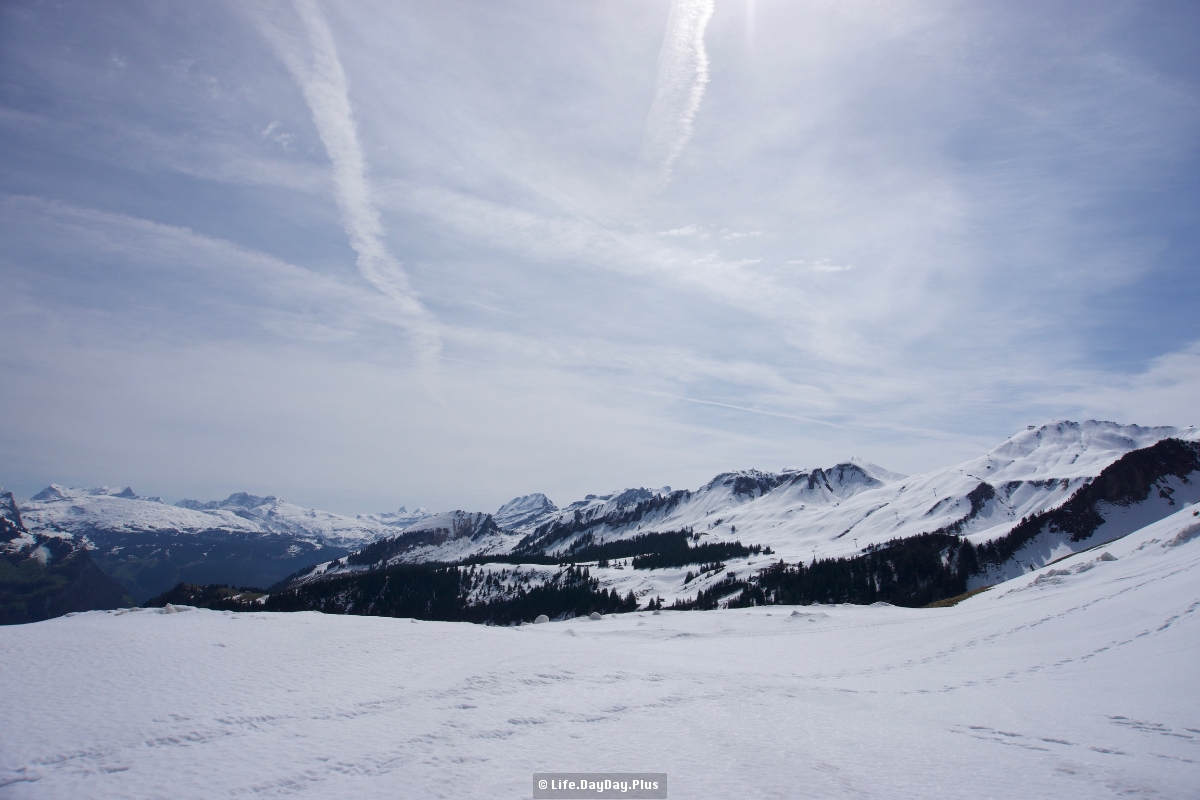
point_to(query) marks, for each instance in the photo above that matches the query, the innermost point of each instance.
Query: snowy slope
(1075, 681)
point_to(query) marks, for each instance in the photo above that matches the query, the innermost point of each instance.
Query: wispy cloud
(682, 78)
(747, 409)
(322, 80)
(824, 265)
(229, 287)
(687, 230)
(587, 242)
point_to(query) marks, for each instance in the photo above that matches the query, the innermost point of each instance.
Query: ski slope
(1077, 680)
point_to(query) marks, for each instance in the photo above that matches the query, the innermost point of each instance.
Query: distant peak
(236, 500)
(875, 471)
(247, 500)
(51, 493)
(535, 500)
(55, 492)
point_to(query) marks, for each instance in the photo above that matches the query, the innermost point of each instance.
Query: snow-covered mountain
(722, 508)
(244, 539)
(800, 515)
(62, 510)
(841, 510)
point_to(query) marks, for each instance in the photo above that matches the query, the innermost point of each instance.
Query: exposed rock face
(10, 517)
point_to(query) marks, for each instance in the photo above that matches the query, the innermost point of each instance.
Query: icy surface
(1077, 680)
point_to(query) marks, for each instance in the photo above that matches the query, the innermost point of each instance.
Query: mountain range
(794, 516)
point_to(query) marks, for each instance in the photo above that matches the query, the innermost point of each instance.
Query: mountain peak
(525, 510)
(246, 500)
(875, 471)
(56, 492)
(51, 493)
(401, 518)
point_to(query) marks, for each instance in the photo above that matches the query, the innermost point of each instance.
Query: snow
(1073, 681)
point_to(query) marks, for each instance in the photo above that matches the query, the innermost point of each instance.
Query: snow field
(1079, 684)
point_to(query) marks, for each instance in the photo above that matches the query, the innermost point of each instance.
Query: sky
(369, 254)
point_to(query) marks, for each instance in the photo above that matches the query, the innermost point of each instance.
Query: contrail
(323, 83)
(738, 408)
(682, 77)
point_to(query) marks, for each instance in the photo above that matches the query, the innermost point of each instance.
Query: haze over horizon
(363, 255)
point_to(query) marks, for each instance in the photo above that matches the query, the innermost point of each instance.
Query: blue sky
(369, 254)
